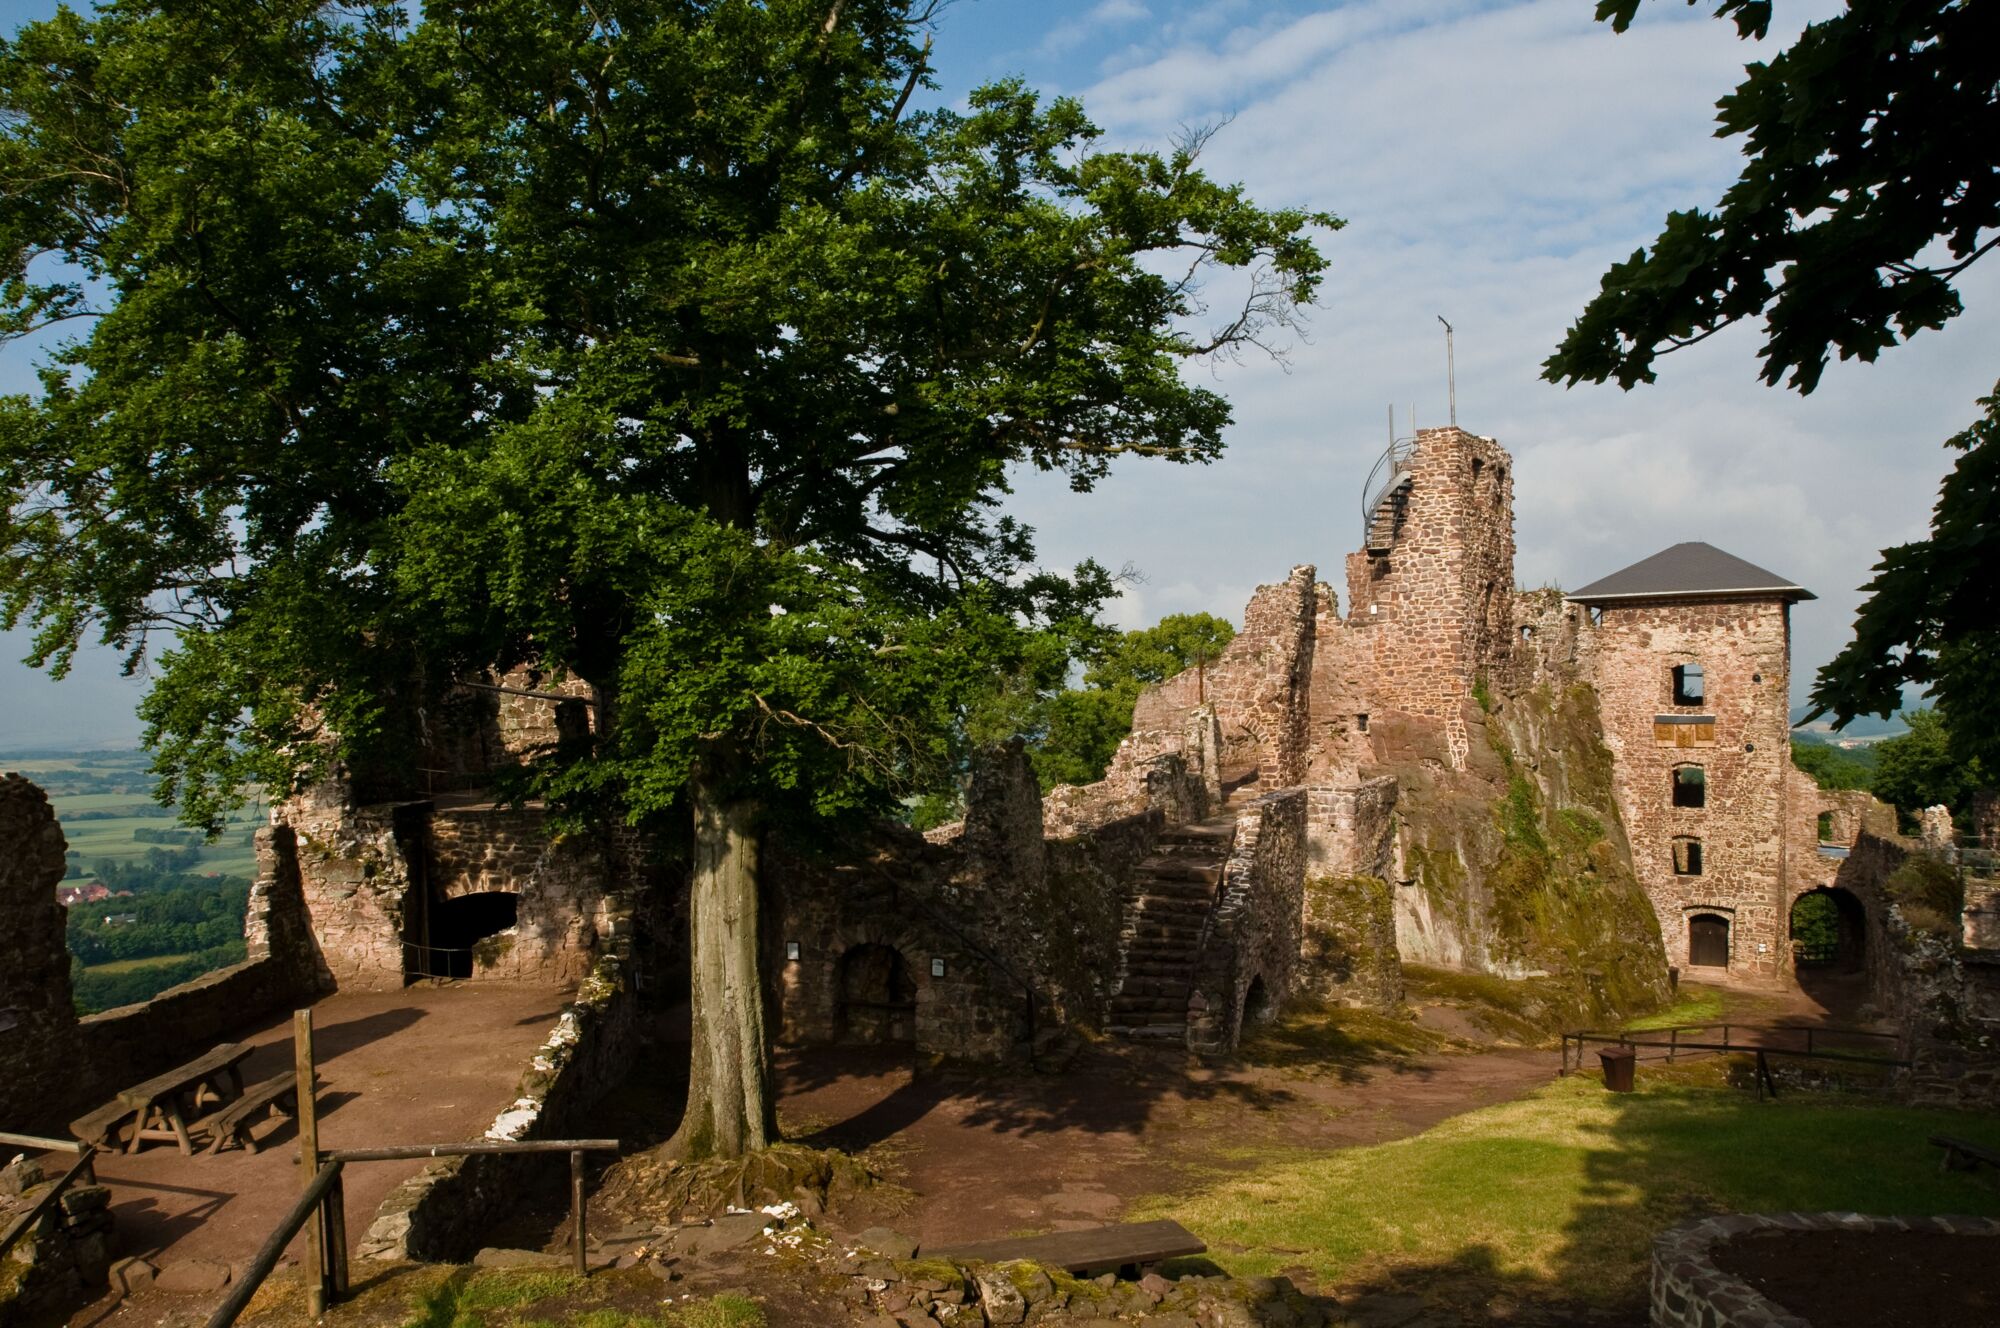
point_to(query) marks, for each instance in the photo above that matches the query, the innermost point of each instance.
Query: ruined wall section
(1175, 772)
(1253, 934)
(1739, 735)
(1432, 613)
(565, 911)
(1259, 687)
(38, 1038)
(361, 874)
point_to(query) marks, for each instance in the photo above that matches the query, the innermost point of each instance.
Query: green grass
(97, 841)
(135, 965)
(1321, 1041)
(1557, 1196)
(534, 1298)
(1700, 1005)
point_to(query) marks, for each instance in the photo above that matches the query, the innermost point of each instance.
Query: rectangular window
(1361, 723)
(1688, 685)
(1690, 786)
(1687, 857)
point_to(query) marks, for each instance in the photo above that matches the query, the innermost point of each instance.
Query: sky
(1490, 160)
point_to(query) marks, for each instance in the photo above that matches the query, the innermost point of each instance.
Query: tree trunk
(730, 1111)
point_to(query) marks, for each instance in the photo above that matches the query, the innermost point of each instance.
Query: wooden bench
(214, 1077)
(277, 1095)
(100, 1129)
(1963, 1154)
(1127, 1247)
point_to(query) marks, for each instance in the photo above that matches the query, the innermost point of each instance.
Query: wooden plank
(198, 1071)
(1097, 1250)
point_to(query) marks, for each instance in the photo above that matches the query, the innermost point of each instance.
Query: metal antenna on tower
(1450, 373)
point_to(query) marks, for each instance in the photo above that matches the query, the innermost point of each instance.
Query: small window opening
(1690, 786)
(1477, 466)
(1688, 685)
(1687, 857)
(1527, 632)
(1596, 616)
(1826, 827)
(1361, 723)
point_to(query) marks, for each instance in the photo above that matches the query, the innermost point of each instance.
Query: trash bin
(1618, 1063)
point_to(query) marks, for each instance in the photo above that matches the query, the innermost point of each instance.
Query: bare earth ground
(422, 1065)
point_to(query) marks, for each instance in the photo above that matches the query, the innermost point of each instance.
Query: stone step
(1165, 868)
(1153, 1033)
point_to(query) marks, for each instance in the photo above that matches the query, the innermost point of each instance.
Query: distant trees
(164, 922)
(1921, 769)
(1835, 767)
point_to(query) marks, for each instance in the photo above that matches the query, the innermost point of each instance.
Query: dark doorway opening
(1708, 941)
(1829, 930)
(1257, 1004)
(878, 997)
(456, 927)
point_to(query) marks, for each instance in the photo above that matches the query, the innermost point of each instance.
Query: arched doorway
(1708, 940)
(1257, 1003)
(457, 925)
(878, 997)
(1829, 949)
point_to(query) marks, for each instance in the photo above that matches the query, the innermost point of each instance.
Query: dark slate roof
(1689, 571)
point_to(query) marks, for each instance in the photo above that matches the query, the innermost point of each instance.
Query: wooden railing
(1757, 1042)
(321, 1210)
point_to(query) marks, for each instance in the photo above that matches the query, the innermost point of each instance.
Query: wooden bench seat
(1963, 1154)
(1131, 1245)
(279, 1094)
(100, 1128)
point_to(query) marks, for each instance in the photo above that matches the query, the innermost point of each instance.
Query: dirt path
(421, 1065)
(990, 1155)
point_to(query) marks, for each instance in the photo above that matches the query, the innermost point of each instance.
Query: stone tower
(1690, 652)
(1431, 592)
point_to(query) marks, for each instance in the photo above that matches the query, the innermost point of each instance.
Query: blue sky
(1491, 160)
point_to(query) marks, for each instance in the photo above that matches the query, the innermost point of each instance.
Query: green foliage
(1081, 728)
(200, 915)
(1873, 138)
(663, 348)
(1835, 767)
(1483, 695)
(131, 981)
(1919, 769)
(1929, 893)
(1932, 616)
(1816, 922)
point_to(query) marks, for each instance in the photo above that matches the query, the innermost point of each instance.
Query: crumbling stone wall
(565, 909)
(1259, 687)
(1432, 613)
(62, 1262)
(52, 1063)
(444, 1212)
(1253, 934)
(1174, 771)
(38, 1042)
(1743, 646)
(358, 869)
(1024, 924)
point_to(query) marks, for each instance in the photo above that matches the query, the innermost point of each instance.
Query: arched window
(1690, 787)
(1688, 688)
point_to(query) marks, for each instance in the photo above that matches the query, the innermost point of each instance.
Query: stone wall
(1253, 934)
(53, 1064)
(1432, 613)
(1351, 830)
(1689, 1291)
(1348, 952)
(1176, 772)
(1258, 688)
(565, 908)
(1023, 923)
(442, 1214)
(38, 1039)
(1743, 830)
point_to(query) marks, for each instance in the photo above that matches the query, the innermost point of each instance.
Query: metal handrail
(1390, 468)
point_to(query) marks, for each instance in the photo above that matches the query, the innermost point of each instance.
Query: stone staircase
(1161, 939)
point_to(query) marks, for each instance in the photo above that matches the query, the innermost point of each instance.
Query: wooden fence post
(576, 1206)
(315, 1229)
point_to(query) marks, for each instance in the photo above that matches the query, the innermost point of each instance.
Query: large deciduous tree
(666, 343)
(1872, 182)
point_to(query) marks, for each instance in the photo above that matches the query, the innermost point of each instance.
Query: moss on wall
(1522, 857)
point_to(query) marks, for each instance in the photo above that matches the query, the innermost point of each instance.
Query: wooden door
(1708, 941)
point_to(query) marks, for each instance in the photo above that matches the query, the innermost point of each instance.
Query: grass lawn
(1696, 1005)
(134, 965)
(1557, 1196)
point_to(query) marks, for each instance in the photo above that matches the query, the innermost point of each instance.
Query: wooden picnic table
(157, 1104)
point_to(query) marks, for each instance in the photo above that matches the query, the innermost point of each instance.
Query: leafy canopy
(1869, 187)
(655, 341)
(1918, 769)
